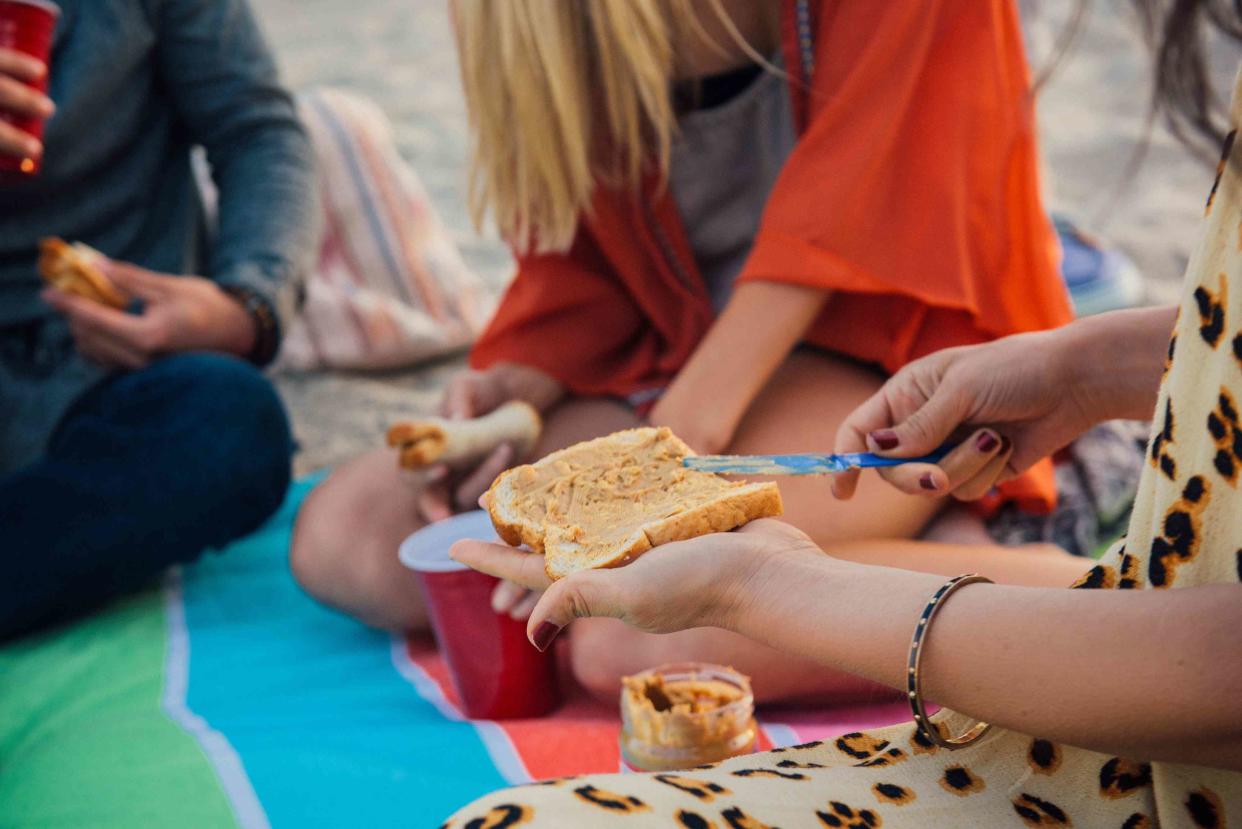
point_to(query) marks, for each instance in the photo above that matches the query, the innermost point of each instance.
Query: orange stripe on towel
(580, 737)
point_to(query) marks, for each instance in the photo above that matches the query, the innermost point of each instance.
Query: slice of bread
(73, 269)
(460, 442)
(607, 501)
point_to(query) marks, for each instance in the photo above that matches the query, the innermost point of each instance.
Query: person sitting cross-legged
(132, 439)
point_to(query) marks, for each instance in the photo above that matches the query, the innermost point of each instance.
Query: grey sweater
(137, 84)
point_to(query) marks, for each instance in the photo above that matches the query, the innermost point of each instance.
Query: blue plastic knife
(805, 464)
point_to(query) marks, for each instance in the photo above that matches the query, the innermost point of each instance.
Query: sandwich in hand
(462, 442)
(607, 501)
(74, 269)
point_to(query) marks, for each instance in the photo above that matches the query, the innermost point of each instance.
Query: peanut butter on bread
(604, 502)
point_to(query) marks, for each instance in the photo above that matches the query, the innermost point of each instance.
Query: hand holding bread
(179, 312)
(599, 505)
(470, 394)
(457, 443)
(703, 582)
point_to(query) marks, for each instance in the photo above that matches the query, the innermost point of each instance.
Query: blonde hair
(563, 94)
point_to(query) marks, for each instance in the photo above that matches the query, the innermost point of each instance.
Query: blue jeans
(146, 470)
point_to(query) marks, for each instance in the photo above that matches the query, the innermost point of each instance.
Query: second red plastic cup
(496, 671)
(27, 26)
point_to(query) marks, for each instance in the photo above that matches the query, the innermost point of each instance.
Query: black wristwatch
(266, 330)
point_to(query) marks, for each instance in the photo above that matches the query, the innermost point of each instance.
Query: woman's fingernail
(987, 442)
(928, 482)
(34, 148)
(499, 605)
(544, 634)
(885, 439)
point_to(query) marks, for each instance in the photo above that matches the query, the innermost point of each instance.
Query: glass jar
(684, 715)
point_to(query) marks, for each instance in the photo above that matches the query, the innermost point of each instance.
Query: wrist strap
(914, 691)
(266, 332)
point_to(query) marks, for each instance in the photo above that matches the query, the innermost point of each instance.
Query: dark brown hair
(1182, 92)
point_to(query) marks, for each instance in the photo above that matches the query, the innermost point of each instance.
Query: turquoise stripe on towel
(327, 731)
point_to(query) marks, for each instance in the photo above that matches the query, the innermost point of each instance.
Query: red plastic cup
(497, 672)
(27, 26)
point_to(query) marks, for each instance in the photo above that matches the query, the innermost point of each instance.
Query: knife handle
(870, 460)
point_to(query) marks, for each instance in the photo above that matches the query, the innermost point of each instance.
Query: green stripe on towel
(84, 740)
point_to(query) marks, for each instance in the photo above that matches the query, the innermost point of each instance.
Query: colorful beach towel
(227, 698)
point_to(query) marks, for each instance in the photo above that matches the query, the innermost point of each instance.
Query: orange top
(912, 195)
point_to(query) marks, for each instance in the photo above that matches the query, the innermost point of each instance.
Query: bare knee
(345, 540)
(603, 651)
(315, 551)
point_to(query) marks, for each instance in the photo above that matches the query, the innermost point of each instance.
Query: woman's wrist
(708, 430)
(529, 384)
(1110, 365)
(805, 602)
(765, 583)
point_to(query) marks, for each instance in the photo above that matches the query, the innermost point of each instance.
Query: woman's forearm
(1114, 361)
(754, 334)
(1149, 674)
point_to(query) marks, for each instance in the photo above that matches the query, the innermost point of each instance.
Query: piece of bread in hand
(74, 270)
(604, 502)
(460, 442)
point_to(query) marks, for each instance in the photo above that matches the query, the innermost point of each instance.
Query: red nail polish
(544, 634)
(987, 442)
(885, 438)
(928, 482)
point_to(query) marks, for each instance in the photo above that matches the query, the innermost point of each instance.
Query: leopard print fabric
(1186, 530)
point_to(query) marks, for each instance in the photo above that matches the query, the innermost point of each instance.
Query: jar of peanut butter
(684, 715)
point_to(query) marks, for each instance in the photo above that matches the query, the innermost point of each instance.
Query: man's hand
(180, 313)
(19, 100)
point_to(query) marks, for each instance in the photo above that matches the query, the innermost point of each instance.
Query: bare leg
(344, 550)
(957, 525)
(799, 411)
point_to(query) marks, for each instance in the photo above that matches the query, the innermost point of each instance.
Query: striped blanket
(226, 697)
(389, 286)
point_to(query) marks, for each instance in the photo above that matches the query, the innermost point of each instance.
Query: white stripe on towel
(220, 753)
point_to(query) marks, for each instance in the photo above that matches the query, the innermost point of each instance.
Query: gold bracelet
(913, 685)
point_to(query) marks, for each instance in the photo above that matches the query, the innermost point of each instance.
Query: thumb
(923, 430)
(582, 595)
(135, 281)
